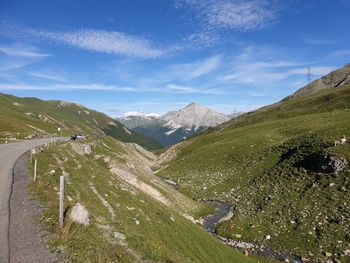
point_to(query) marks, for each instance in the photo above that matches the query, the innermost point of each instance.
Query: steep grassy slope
(30, 116)
(134, 216)
(261, 163)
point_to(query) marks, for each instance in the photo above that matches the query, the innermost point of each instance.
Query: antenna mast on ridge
(308, 75)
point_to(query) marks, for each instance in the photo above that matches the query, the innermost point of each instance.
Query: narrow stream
(222, 211)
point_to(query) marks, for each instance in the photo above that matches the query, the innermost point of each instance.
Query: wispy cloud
(317, 41)
(23, 51)
(140, 113)
(193, 90)
(340, 53)
(189, 71)
(16, 57)
(48, 75)
(318, 71)
(234, 108)
(233, 14)
(109, 42)
(67, 86)
(200, 39)
(169, 88)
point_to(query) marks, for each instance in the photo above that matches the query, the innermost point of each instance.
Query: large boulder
(327, 163)
(80, 214)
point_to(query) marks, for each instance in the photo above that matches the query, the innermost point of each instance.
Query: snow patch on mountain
(140, 114)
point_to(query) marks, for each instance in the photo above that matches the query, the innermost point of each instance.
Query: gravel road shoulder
(28, 243)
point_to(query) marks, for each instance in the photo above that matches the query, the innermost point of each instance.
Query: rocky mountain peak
(194, 116)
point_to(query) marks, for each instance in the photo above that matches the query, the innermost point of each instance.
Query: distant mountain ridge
(175, 126)
(335, 79)
(31, 117)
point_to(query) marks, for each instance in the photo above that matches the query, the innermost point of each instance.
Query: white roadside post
(35, 167)
(59, 130)
(61, 201)
(32, 153)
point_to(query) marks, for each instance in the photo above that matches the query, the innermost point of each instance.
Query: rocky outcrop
(326, 163)
(337, 78)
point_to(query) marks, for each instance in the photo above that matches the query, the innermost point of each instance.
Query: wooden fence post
(35, 168)
(61, 201)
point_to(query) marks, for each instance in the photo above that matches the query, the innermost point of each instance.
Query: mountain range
(175, 126)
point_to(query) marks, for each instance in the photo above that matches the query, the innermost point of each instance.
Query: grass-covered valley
(134, 215)
(278, 168)
(272, 166)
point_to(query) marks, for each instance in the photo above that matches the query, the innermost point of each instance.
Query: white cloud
(110, 42)
(201, 39)
(190, 71)
(169, 88)
(15, 57)
(233, 14)
(317, 41)
(140, 113)
(234, 108)
(193, 90)
(48, 75)
(319, 71)
(340, 53)
(23, 52)
(62, 87)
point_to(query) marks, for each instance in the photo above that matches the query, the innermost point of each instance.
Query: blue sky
(155, 56)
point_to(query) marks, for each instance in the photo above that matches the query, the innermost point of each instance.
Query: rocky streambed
(223, 212)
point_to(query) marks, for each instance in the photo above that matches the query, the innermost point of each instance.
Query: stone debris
(104, 201)
(81, 149)
(119, 235)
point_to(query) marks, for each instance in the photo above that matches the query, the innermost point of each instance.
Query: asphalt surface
(9, 153)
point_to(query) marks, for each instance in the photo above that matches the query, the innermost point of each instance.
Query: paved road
(9, 153)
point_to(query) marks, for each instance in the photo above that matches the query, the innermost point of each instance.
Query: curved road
(9, 153)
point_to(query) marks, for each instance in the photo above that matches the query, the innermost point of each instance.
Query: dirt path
(9, 153)
(27, 241)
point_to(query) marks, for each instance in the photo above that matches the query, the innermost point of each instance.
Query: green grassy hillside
(27, 117)
(134, 216)
(262, 163)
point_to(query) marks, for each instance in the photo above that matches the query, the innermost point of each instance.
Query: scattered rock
(346, 252)
(119, 235)
(80, 215)
(267, 237)
(87, 149)
(52, 172)
(327, 254)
